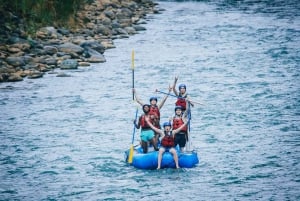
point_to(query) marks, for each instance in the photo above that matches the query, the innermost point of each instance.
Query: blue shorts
(147, 135)
(167, 149)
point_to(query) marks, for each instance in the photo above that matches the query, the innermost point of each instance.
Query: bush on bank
(38, 13)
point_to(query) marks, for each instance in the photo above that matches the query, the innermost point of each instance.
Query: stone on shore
(69, 64)
(96, 25)
(15, 61)
(14, 77)
(70, 48)
(35, 75)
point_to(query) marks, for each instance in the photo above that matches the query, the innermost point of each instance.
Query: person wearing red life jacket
(182, 95)
(167, 141)
(178, 120)
(155, 108)
(147, 134)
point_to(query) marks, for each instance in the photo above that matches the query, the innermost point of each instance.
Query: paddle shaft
(130, 156)
(178, 97)
(169, 94)
(136, 113)
(132, 83)
(189, 116)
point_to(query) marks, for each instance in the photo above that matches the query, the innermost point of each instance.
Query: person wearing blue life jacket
(167, 141)
(147, 134)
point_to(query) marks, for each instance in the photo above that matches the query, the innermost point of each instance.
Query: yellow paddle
(130, 157)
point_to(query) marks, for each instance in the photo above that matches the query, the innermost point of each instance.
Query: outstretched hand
(176, 78)
(189, 101)
(170, 88)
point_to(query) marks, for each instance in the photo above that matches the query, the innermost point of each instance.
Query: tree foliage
(37, 13)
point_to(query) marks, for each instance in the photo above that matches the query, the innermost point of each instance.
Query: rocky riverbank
(98, 24)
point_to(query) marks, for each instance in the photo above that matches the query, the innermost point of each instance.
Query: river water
(64, 138)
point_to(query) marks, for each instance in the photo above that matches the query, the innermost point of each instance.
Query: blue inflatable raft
(188, 159)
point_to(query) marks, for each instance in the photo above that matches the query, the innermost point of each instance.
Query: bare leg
(154, 143)
(157, 138)
(175, 157)
(160, 153)
(145, 147)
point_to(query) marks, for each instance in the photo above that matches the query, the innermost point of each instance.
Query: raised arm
(152, 127)
(165, 98)
(188, 100)
(187, 109)
(186, 121)
(174, 86)
(136, 97)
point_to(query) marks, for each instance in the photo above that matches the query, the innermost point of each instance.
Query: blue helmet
(153, 98)
(178, 107)
(167, 124)
(182, 86)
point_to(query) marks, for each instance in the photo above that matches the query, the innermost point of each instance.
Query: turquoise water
(64, 138)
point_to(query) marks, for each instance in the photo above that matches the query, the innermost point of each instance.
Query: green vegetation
(37, 13)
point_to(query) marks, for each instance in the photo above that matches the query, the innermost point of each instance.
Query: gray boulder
(94, 56)
(70, 48)
(15, 61)
(69, 64)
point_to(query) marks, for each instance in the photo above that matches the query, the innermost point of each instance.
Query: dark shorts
(180, 139)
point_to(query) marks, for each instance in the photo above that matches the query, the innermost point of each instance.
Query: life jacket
(177, 122)
(143, 122)
(168, 140)
(181, 101)
(154, 111)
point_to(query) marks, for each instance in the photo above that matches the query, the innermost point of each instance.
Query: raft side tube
(149, 160)
(188, 159)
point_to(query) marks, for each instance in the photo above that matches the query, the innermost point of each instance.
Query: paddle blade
(130, 157)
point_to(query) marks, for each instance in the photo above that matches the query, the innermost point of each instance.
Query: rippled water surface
(64, 138)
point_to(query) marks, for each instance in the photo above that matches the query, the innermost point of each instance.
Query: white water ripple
(64, 138)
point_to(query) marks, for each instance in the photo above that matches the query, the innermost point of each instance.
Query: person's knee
(173, 151)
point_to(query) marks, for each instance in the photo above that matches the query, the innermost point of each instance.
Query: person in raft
(147, 134)
(182, 95)
(179, 121)
(167, 141)
(154, 109)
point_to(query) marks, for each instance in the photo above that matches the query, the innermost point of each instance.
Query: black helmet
(178, 107)
(153, 98)
(182, 86)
